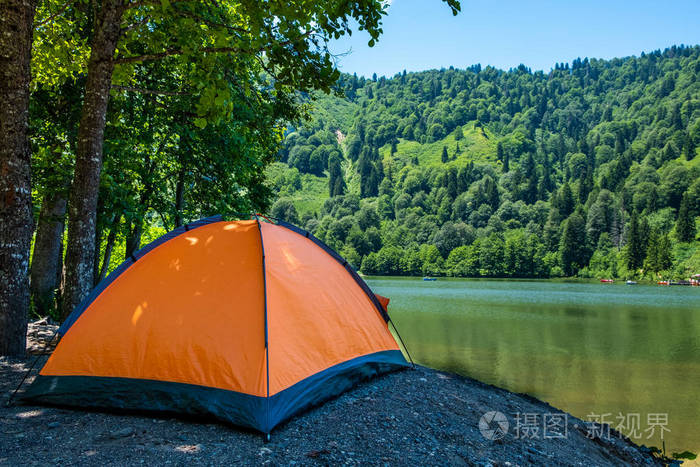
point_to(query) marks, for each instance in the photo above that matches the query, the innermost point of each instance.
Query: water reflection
(586, 348)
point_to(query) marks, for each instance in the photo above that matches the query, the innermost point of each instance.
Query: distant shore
(580, 280)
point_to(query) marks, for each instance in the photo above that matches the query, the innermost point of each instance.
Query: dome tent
(247, 321)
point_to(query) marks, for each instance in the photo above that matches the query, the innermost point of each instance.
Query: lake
(586, 348)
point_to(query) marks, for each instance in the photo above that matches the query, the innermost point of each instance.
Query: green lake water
(586, 348)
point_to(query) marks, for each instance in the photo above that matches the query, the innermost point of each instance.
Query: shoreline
(572, 280)
(410, 417)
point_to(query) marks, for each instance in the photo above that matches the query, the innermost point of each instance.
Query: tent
(248, 321)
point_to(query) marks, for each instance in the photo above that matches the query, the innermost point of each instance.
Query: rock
(189, 448)
(317, 453)
(264, 451)
(123, 433)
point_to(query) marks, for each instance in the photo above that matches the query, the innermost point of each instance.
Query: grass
(478, 145)
(313, 192)
(336, 112)
(312, 195)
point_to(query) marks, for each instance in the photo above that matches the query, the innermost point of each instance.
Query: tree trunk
(111, 238)
(133, 241)
(98, 244)
(16, 221)
(179, 197)
(47, 256)
(88, 164)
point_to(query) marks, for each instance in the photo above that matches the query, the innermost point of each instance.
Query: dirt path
(413, 417)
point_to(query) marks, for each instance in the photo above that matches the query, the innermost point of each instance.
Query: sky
(423, 34)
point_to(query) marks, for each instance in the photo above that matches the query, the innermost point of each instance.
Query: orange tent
(248, 321)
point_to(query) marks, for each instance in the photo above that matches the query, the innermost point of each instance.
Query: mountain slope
(591, 169)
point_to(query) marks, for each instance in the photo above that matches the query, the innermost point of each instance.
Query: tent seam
(267, 346)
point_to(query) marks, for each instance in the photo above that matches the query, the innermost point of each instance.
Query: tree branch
(172, 52)
(212, 23)
(60, 11)
(150, 91)
(135, 25)
(141, 3)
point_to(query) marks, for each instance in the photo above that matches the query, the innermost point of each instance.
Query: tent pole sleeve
(267, 348)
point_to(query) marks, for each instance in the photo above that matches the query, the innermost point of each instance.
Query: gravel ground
(412, 417)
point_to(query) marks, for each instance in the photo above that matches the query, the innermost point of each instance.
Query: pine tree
(685, 225)
(445, 157)
(452, 182)
(585, 186)
(659, 256)
(546, 181)
(530, 193)
(676, 119)
(573, 253)
(491, 192)
(463, 179)
(336, 183)
(689, 147)
(664, 253)
(636, 251)
(565, 201)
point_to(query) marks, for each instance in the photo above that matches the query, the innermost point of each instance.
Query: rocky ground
(413, 417)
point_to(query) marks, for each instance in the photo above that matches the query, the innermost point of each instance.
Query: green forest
(122, 120)
(590, 170)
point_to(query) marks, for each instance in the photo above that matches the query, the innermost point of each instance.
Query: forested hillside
(591, 169)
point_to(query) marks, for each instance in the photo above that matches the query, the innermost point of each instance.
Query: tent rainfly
(250, 322)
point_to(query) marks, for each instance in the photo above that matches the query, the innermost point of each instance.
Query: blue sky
(423, 34)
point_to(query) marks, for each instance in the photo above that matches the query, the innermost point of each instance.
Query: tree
(48, 252)
(573, 252)
(16, 19)
(491, 192)
(689, 147)
(685, 225)
(565, 200)
(659, 256)
(336, 182)
(600, 216)
(452, 235)
(295, 57)
(53, 114)
(492, 256)
(284, 209)
(636, 247)
(445, 157)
